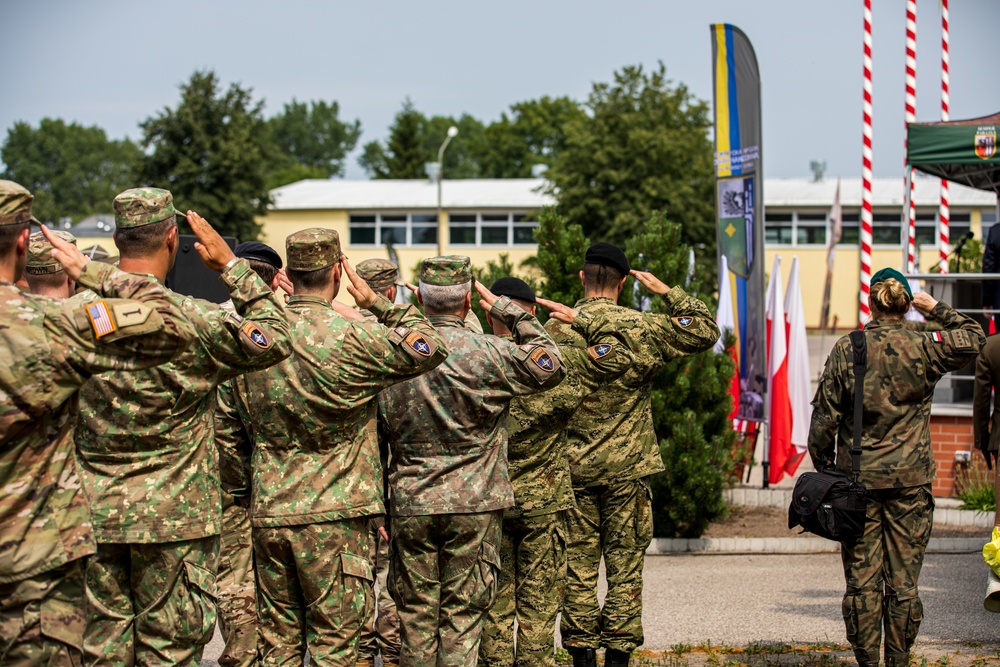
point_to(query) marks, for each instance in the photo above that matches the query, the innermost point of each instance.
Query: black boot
(613, 658)
(583, 657)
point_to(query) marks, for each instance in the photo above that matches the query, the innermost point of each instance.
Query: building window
(398, 229)
(778, 228)
(887, 229)
(959, 225)
(491, 229)
(987, 218)
(926, 229)
(810, 229)
(850, 228)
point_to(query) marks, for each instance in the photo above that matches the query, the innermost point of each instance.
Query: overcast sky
(113, 64)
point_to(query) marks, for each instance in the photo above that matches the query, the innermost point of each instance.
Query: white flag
(799, 387)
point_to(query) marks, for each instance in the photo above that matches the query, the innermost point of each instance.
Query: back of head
(15, 214)
(143, 218)
(445, 283)
(263, 259)
(516, 290)
(380, 274)
(604, 267)
(44, 274)
(312, 254)
(889, 294)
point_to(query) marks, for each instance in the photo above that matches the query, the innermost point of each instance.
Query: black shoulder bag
(831, 504)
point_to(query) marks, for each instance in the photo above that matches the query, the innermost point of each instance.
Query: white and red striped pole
(911, 116)
(866, 175)
(944, 212)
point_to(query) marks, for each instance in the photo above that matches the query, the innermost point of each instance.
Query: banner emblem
(986, 142)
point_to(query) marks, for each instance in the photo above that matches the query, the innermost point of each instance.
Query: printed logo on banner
(736, 219)
(986, 141)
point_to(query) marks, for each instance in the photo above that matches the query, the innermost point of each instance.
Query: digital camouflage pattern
(237, 587)
(443, 574)
(15, 204)
(904, 365)
(447, 429)
(447, 270)
(312, 249)
(42, 618)
(882, 569)
(143, 206)
(151, 604)
(312, 582)
(40, 259)
(531, 587)
(378, 273)
(380, 633)
(146, 440)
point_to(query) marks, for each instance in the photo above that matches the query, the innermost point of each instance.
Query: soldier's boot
(583, 657)
(897, 659)
(615, 658)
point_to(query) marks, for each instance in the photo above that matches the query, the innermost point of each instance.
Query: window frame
(408, 225)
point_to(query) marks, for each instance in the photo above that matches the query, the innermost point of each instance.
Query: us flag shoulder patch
(542, 359)
(256, 336)
(600, 351)
(100, 319)
(418, 343)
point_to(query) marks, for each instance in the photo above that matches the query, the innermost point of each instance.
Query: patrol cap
(258, 251)
(378, 273)
(143, 206)
(514, 288)
(312, 249)
(447, 270)
(606, 254)
(15, 204)
(886, 273)
(40, 259)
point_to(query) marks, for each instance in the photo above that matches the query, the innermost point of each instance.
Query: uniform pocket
(202, 614)
(63, 622)
(644, 515)
(489, 569)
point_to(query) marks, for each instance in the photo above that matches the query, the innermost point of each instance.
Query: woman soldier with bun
(897, 465)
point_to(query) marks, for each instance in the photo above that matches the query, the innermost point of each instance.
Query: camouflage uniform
(533, 547)
(316, 473)
(146, 446)
(612, 452)
(380, 633)
(48, 349)
(448, 474)
(897, 467)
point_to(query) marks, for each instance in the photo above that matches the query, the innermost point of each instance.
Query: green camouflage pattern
(313, 581)
(447, 270)
(531, 588)
(312, 249)
(42, 618)
(447, 429)
(615, 521)
(143, 206)
(314, 454)
(380, 633)
(536, 451)
(882, 569)
(15, 204)
(146, 440)
(378, 273)
(904, 365)
(40, 259)
(48, 349)
(237, 588)
(611, 437)
(443, 574)
(150, 604)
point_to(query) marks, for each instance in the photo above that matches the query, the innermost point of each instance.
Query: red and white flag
(799, 386)
(726, 319)
(779, 418)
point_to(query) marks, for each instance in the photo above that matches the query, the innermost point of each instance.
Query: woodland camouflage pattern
(237, 588)
(143, 206)
(380, 633)
(447, 270)
(378, 273)
(40, 259)
(312, 249)
(904, 365)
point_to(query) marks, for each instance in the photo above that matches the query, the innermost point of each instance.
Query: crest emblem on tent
(986, 142)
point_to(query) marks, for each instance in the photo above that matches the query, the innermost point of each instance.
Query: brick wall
(949, 434)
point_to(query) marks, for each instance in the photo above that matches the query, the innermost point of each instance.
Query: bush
(974, 486)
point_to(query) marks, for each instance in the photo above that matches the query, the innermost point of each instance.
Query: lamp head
(452, 131)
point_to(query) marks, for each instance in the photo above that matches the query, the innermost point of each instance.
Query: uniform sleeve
(828, 410)
(958, 342)
(232, 438)
(606, 356)
(532, 362)
(688, 328)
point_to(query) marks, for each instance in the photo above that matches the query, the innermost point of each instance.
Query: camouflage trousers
(882, 569)
(150, 604)
(443, 576)
(42, 619)
(381, 630)
(312, 581)
(237, 587)
(616, 522)
(532, 583)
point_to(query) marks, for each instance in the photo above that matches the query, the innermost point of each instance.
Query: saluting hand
(488, 297)
(215, 253)
(650, 282)
(559, 311)
(285, 284)
(67, 254)
(924, 302)
(413, 288)
(356, 287)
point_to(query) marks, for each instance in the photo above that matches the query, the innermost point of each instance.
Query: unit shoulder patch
(684, 321)
(542, 359)
(416, 342)
(255, 335)
(131, 314)
(600, 351)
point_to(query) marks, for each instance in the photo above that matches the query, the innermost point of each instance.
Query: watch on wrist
(231, 263)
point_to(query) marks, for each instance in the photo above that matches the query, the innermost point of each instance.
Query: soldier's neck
(155, 266)
(607, 294)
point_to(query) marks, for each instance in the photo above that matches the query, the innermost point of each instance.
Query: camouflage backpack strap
(860, 347)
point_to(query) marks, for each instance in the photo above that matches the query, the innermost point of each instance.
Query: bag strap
(859, 344)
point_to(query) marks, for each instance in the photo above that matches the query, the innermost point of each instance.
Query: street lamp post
(442, 228)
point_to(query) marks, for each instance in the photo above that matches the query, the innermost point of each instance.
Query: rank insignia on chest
(419, 344)
(684, 321)
(600, 351)
(542, 359)
(256, 336)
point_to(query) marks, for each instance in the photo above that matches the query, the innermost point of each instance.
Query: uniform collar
(447, 321)
(884, 324)
(309, 299)
(587, 300)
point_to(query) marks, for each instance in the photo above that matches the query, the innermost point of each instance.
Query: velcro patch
(418, 343)
(961, 339)
(255, 335)
(684, 321)
(131, 314)
(101, 319)
(600, 351)
(542, 359)
(936, 335)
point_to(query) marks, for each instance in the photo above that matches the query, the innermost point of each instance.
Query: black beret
(514, 288)
(258, 251)
(606, 254)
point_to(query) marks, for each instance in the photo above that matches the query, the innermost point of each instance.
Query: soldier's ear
(172, 238)
(23, 240)
(391, 293)
(582, 281)
(621, 283)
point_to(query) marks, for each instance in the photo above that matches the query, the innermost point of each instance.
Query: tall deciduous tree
(73, 171)
(403, 155)
(312, 141)
(532, 133)
(213, 153)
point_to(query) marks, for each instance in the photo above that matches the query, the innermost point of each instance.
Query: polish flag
(779, 429)
(726, 319)
(799, 387)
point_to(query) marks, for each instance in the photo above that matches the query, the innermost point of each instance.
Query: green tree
(643, 146)
(403, 155)
(532, 133)
(312, 141)
(461, 158)
(73, 171)
(561, 248)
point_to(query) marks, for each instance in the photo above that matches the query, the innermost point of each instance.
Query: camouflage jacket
(311, 419)
(447, 430)
(146, 441)
(48, 349)
(536, 452)
(904, 365)
(611, 437)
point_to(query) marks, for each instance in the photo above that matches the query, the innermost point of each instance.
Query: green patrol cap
(40, 259)
(312, 249)
(15, 204)
(378, 273)
(886, 273)
(143, 206)
(447, 270)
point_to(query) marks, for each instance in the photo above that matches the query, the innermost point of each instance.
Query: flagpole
(910, 211)
(866, 175)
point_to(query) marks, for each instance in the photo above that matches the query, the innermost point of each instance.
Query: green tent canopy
(963, 151)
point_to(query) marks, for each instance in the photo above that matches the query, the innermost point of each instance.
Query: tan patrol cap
(143, 206)
(312, 249)
(15, 204)
(378, 273)
(40, 259)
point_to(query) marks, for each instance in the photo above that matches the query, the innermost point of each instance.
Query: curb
(663, 546)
